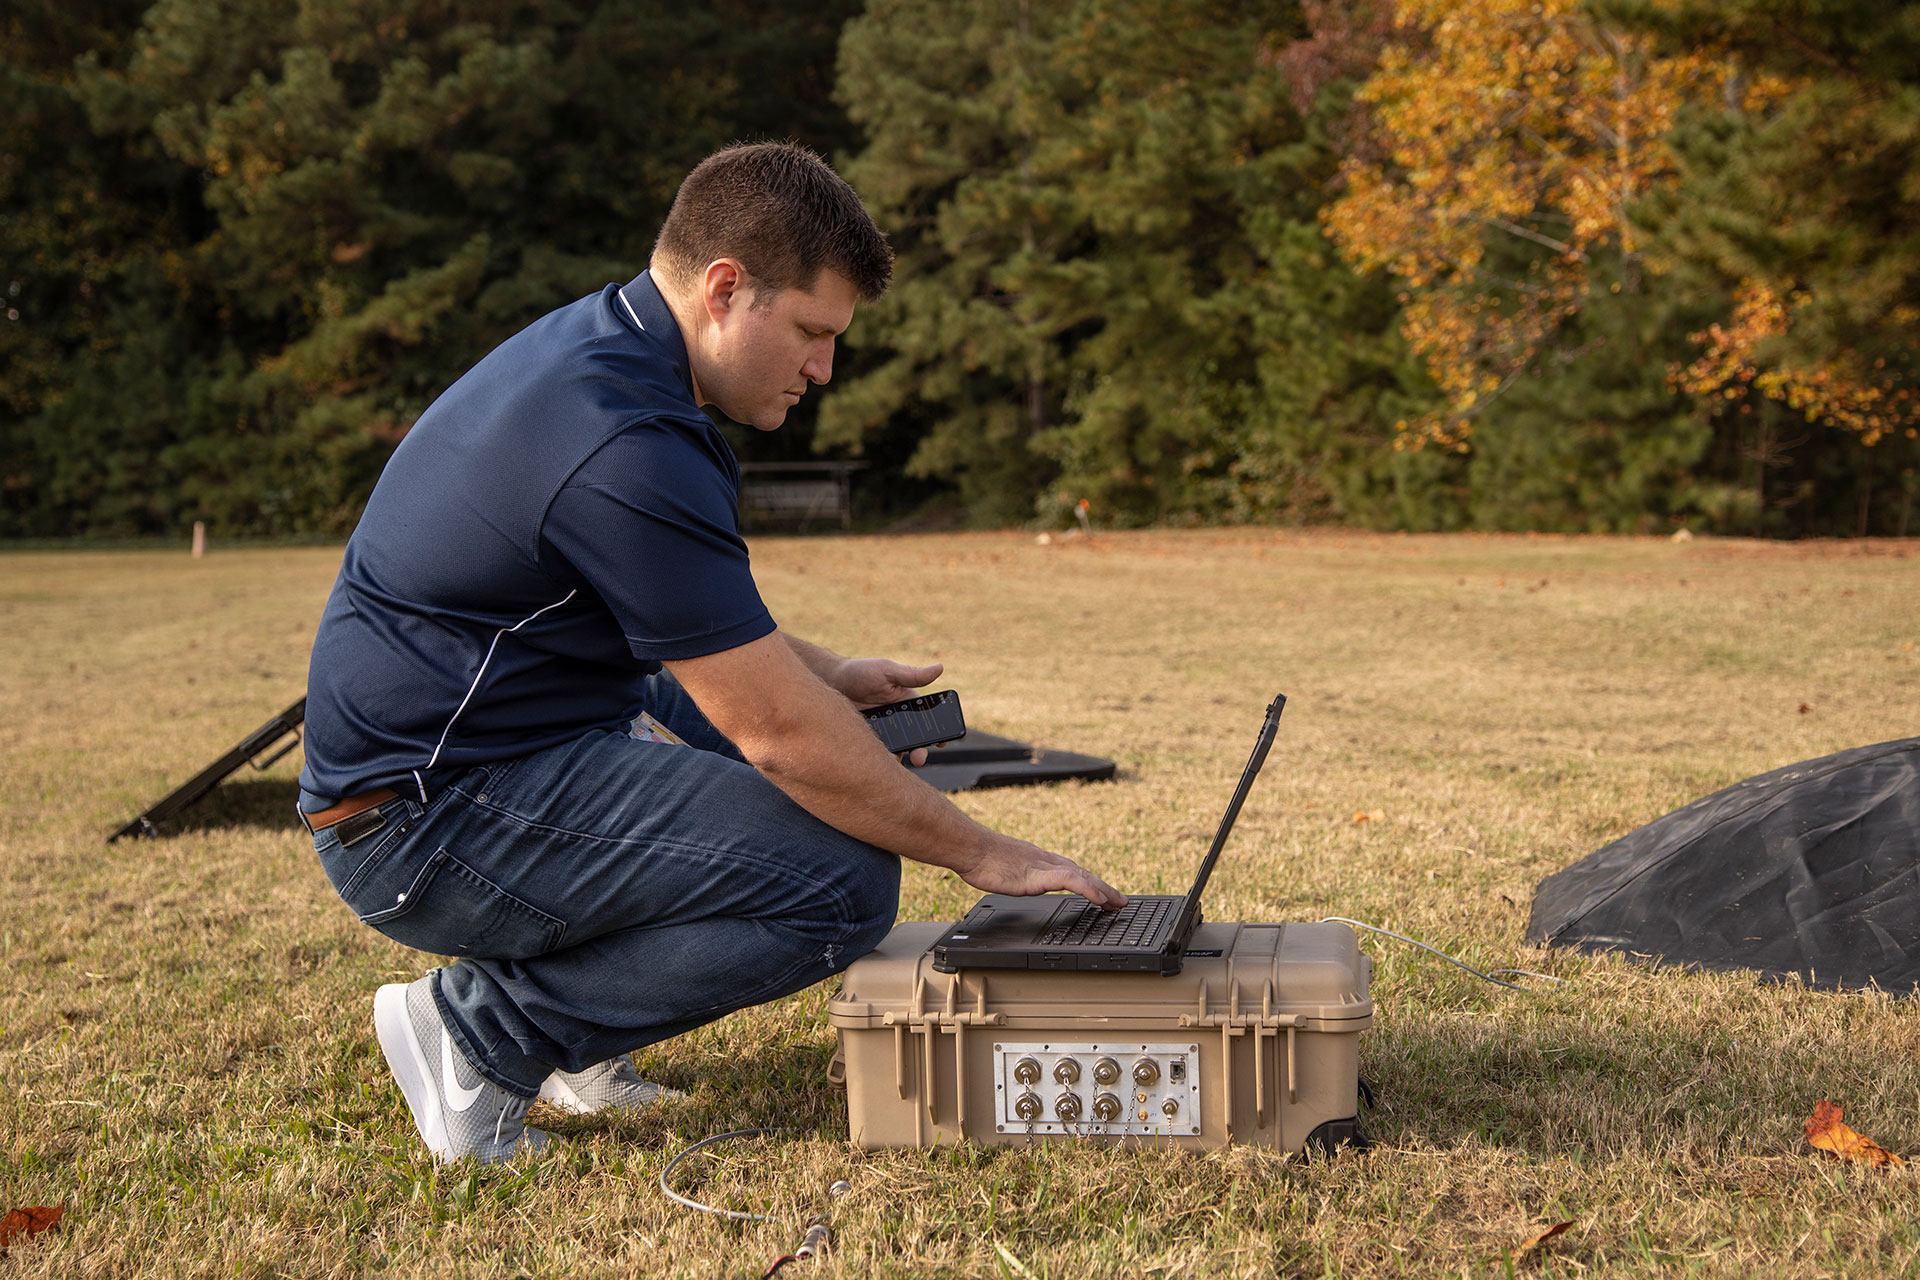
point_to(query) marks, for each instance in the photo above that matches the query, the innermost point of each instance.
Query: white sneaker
(456, 1120)
(610, 1084)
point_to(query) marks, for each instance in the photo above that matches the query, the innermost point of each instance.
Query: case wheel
(1334, 1134)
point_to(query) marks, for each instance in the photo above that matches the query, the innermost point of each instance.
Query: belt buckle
(360, 825)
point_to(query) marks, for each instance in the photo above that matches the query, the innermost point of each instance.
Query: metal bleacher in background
(798, 493)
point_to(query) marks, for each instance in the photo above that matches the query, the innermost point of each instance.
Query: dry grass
(185, 1057)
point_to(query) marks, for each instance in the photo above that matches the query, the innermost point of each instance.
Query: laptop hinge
(1175, 950)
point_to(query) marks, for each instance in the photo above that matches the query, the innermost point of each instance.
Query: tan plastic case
(1255, 1040)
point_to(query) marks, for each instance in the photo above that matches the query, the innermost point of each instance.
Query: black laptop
(1065, 931)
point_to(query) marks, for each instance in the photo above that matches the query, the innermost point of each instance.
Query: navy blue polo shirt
(559, 522)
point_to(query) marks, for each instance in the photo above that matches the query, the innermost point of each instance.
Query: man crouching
(552, 731)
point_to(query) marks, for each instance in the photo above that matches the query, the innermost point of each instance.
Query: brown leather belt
(318, 822)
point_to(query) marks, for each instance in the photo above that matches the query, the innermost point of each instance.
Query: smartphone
(924, 721)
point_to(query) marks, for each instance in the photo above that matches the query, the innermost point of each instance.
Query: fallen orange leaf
(1361, 815)
(30, 1221)
(1546, 1234)
(1825, 1131)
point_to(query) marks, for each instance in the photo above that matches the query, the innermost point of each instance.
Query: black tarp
(987, 760)
(1813, 869)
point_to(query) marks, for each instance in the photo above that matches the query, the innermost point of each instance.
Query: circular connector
(1105, 1071)
(1066, 1071)
(1027, 1071)
(1106, 1107)
(1170, 1108)
(1067, 1106)
(1027, 1106)
(1146, 1071)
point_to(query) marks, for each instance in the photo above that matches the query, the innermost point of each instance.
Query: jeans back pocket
(450, 909)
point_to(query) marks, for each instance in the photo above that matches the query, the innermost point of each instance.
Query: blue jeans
(610, 893)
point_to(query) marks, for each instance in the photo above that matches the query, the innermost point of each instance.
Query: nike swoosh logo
(458, 1099)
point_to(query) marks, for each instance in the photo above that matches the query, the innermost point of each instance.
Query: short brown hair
(780, 210)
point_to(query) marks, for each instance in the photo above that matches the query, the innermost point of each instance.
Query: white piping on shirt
(630, 310)
(478, 675)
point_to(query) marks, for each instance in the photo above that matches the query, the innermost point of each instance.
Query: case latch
(1235, 1023)
(951, 1020)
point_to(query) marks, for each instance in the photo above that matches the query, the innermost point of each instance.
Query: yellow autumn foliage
(1520, 119)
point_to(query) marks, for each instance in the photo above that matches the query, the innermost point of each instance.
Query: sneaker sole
(553, 1091)
(394, 1028)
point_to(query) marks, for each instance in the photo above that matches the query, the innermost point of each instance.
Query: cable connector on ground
(817, 1239)
(813, 1245)
(819, 1236)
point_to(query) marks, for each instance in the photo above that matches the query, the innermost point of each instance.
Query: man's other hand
(874, 682)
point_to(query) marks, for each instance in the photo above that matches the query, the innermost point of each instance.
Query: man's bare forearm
(838, 772)
(808, 740)
(823, 662)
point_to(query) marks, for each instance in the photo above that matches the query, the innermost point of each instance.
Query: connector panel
(1112, 1087)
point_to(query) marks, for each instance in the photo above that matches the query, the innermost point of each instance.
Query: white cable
(819, 1235)
(677, 1198)
(1528, 973)
(1449, 959)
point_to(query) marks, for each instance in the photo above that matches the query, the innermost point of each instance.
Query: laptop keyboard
(1089, 926)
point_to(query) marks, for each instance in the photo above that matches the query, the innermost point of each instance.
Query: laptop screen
(1258, 758)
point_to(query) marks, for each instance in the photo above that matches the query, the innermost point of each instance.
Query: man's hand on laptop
(1007, 865)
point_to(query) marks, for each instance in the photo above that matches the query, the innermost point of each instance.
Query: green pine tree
(1816, 198)
(261, 235)
(1111, 284)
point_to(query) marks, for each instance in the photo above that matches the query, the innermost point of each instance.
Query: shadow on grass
(260, 804)
(783, 1089)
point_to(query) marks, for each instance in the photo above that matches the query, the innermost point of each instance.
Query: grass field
(186, 1058)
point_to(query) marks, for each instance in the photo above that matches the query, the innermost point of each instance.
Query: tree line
(1625, 265)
